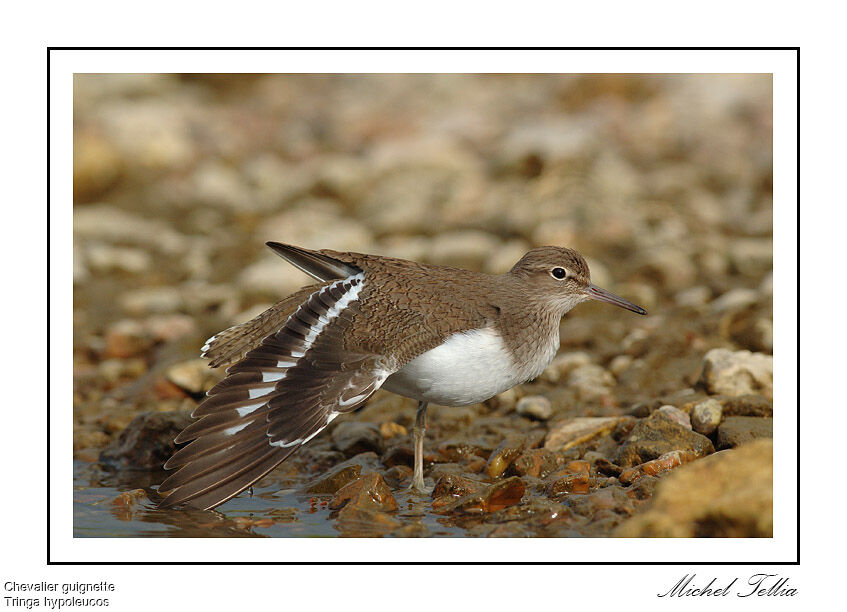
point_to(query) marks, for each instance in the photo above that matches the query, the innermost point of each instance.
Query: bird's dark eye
(559, 273)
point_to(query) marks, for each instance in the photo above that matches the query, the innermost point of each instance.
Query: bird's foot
(419, 488)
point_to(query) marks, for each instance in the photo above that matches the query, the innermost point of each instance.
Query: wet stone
(358, 522)
(127, 338)
(457, 450)
(129, 498)
(706, 416)
(398, 477)
(574, 478)
(656, 435)
(536, 462)
(333, 481)
(454, 485)
(148, 441)
(500, 458)
(496, 497)
(737, 430)
(412, 530)
(366, 493)
(352, 438)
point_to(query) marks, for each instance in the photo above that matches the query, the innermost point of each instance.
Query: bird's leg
(420, 429)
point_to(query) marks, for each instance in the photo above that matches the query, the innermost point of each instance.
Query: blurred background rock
(664, 182)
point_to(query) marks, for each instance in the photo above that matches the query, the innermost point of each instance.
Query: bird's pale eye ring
(559, 273)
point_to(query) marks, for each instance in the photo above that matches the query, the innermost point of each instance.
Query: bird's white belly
(468, 368)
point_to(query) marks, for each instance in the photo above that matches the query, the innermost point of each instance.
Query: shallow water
(279, 512)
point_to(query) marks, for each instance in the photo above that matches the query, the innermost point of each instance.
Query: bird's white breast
(469, 367)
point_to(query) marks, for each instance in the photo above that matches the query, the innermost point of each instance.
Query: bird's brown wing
(282, 394)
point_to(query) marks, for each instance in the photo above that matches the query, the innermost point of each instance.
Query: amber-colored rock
(367, 493)
(331, 482)
(500, 458)
(389, 429)
(399, 476)
(496, 497)
(451, 487)
(129, 498)
(728, 494)
(358, 522)
(664, 463)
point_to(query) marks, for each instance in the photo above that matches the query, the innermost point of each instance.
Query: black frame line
(49, 561)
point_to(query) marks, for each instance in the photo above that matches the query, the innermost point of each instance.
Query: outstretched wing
(281, 395)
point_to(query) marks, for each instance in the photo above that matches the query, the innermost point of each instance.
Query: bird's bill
(601, 295)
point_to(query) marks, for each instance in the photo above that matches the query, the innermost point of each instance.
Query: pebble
(536, 462)
(149, 300)
(398, 477)
(735, 299)
(591, 382)
(693, 296)
(580, 430)
(147, 442)
(399, 455)
(664, 463)
(656, 435)
(500, 495)
(535, 407)
(271, 276)
(368, 492)
(463, 249)
(450, 487)
(672, 266)
(96, 165)
(390, 429)
(352, 438)
(676, 415)
(573, 479)
(563, 364)
(502, 456)
(505, 401)
(706, 416)
(737, 373)
(747, 405)
(620, 364)
(334, 480)
(170, 327)
(316, 224)
(752, 256)
(127, 338)
(107, 223)
(738, 430)
(104, 258)
(193, 376)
